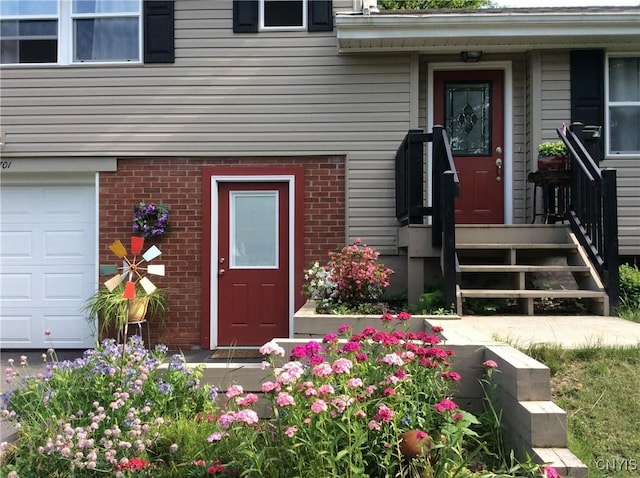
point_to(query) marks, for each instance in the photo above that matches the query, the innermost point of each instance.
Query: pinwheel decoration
(135, 270)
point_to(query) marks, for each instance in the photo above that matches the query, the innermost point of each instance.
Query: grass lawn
(599, 388)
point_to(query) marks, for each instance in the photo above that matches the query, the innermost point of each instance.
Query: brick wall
(177, 182)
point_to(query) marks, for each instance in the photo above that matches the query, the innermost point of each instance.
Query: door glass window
(467, 117)
(254, 229)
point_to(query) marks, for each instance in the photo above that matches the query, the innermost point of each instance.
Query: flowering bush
(150, 220)
(100, 414)
(352, 276)
(373, 404)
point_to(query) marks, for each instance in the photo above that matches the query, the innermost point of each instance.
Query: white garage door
(47, 264)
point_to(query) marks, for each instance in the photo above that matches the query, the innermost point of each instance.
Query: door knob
(221, 272)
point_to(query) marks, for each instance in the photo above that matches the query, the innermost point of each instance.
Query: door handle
(221, 272)
(499, 169)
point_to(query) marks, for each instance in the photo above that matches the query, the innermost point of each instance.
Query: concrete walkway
(565, 331)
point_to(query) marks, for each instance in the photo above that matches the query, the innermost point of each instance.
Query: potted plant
(552, 156)
(112, 309)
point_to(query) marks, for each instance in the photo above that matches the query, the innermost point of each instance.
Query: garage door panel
(15, 286)
(59, 286)
(15, 328)
(15, 245)
(16, 205)
(65, 243)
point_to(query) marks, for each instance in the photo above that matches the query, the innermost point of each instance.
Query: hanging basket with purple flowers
(151, 220)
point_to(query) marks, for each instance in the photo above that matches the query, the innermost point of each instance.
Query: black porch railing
(410, 198)
(593, 211)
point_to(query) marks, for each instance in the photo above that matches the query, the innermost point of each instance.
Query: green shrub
(629, 307)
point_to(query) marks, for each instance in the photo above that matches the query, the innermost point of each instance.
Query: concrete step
(564, 246)
(533, 294)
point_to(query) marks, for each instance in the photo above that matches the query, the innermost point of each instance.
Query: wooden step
(522, 268)
(511, 245)
(534, 294)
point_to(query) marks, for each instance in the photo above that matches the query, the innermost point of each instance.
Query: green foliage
(629, 307)
(425, 4)
(552, 149)
(599, 388)
(111, 308)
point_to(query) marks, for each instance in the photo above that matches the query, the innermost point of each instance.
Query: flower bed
(373, 403)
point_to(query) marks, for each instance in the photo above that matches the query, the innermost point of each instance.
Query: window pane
(28, 7)
(106, 6)
(624, 79)
(467, 118)
(254, 229)
(624, 127)
(29, 41)
(9, 51)
(283, 13)
(106, 39)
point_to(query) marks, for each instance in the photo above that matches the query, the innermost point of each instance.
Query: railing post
(448, 236)
(437, 169)
(610, 233)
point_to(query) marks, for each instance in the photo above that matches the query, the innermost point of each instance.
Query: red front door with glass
(470, 106)
(253, 263)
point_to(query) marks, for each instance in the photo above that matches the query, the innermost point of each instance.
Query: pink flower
(404, 316)
(342, 365)
(319, 406)
(374, 425)
(436, 329)
(445, 405)
(453, 376)
(354, 382)
(388, 391)
(322, 370)
(344, 328)
(284, 399)
(326, 389)
(234, 390)
(457, 416)
(290, 431)
(330, 338)
(270, 387)
(47, 332)
(490, 364)
(247, 416)
(388, 317)
(384, 414)
(272, 348)
(550, 472)
(247, 400)
(217, 436)
(392, 359)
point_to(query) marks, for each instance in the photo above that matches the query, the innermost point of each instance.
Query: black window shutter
(245, 16)
(159, 32)
(587, 90)
(320, 15)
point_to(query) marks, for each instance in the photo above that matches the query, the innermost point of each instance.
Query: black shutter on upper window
(587, 90)
(245, 16)
(158, 32)
(320, 15)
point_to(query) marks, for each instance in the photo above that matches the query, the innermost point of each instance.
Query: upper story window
(623, 105)
(66, 32)
(106, 30)
(253, 16)
(283, 14)
(29, 31)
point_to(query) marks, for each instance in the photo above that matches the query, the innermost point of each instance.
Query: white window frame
(608, 103)
(66, 37)
(303, 27)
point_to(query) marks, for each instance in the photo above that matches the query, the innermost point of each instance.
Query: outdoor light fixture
(471, 56)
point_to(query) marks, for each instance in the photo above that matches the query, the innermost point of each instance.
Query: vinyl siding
(264, 94)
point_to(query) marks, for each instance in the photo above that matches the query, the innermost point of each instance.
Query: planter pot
(309, 324)
(137, 309)
(553, 163)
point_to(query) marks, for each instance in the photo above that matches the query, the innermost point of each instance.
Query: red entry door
(470, 106)
(253, 263)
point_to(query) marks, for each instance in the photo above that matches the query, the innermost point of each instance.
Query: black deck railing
(411, 207)
(593, 211)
